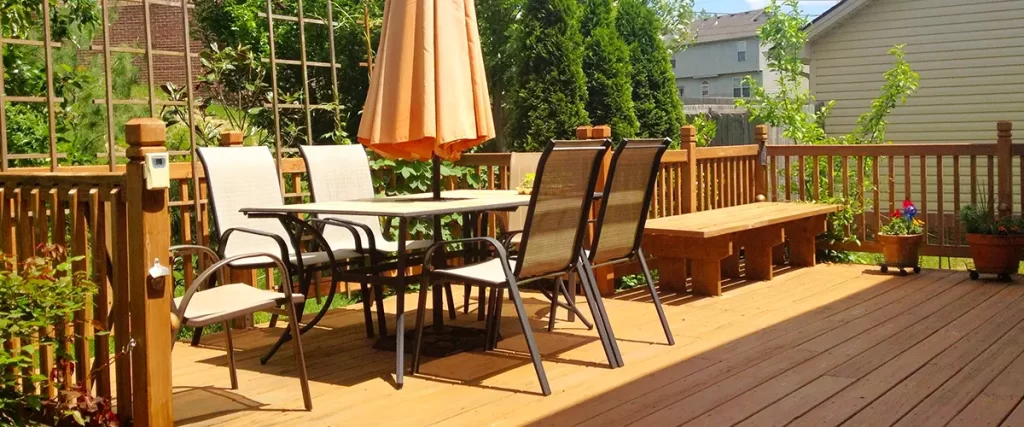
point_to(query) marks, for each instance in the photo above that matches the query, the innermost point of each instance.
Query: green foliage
(397, 177)
(676, 18)
(550, 92)
(497, 23)
(786, 109)
(607, 70)
(979, 219)
(40, 292)
(657, 105)
(706, 127)
(237, 24)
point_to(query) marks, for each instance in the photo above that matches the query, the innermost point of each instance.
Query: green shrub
(607, 69)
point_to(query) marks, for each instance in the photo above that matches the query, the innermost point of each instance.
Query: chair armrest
(222, 264)
(492, 242)
(280, 242)
(352, 227)
(180, 250)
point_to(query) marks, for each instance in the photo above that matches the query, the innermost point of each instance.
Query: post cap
(601, 132)
(688, 134)
(1004, 126)
(761, 132)
(584, 132)
(145, 132)
(231, 138)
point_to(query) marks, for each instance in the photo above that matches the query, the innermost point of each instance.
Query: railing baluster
(924, 197)
(956, 199)
(939, 200)
(875, 191)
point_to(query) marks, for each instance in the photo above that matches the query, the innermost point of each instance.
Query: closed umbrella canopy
(428, 90)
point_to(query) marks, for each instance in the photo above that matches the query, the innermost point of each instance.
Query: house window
(682, 92)
(741, 51)
(673, 63)
(740, 88)
(705, 88)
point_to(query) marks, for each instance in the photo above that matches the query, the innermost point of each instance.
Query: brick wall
(167, 34)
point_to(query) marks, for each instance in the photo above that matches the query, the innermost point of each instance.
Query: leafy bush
(655, 97)
(607, 69)
(37, 293)
(549, 89)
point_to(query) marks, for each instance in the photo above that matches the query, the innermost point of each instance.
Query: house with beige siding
(969, 54)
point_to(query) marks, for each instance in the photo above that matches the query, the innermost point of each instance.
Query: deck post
(688, 143)
(761, 165)
(150, 298)
(605, 275)
(1004, 164)
(236, 275)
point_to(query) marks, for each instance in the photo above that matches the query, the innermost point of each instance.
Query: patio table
(404, 208)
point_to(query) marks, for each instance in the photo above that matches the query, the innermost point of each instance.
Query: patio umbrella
(428, 92)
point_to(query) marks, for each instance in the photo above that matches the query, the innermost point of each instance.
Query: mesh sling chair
(620, 223)
(240, 177)
(203, 307)
(552, 239)
(342, 172)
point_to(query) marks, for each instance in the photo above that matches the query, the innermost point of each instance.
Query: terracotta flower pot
(995, 254)
(900, 251)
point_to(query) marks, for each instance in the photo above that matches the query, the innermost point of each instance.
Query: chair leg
(573, 310)
(655, 298)
(554, 303)
(517, 300)
(596, 313)
(421, 315)
(465, 299)
(231, 355)
(378, 296)
(300, 358)
(588, 272)
(197, 334)
(499, 298)
(481, 315)
(489, 321)
(400, 338)
(572, 298)
(364, 293)
(451, 300)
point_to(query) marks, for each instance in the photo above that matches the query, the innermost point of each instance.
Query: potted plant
(526, 187)
(995, 243)
(901, 239)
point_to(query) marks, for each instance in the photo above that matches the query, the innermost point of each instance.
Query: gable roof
(833, 17)
(728, 27)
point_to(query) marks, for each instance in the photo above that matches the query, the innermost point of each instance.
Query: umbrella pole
(435, 176)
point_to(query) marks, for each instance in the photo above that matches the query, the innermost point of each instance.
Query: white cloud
(757, 4)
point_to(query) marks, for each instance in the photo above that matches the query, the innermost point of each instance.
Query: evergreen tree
(606, 67)
(658, 108)
(549, 90)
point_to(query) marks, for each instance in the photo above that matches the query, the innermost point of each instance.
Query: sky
(810, 7)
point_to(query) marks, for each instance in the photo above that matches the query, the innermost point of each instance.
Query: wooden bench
(711, 242)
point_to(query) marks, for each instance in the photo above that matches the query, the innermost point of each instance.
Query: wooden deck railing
(84, 213)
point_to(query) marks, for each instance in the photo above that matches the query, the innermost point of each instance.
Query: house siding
(969, 54)
(716, 62)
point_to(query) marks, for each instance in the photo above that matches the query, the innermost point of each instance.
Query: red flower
(896, 214)
(907, 204)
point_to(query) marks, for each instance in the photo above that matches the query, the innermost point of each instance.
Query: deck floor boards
(824, 346)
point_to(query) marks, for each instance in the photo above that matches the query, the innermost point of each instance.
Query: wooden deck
(828, 345)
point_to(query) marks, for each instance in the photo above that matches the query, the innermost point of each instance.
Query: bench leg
(671, 274)
(759, 251)
(779, 254)
(802, 236)
(731, 265)
(707, 277)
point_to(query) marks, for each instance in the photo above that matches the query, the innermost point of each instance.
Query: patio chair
(619, 228)
(240, 177)
(198, 308)
(510, 224)
(342, 172)
(552, 239)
